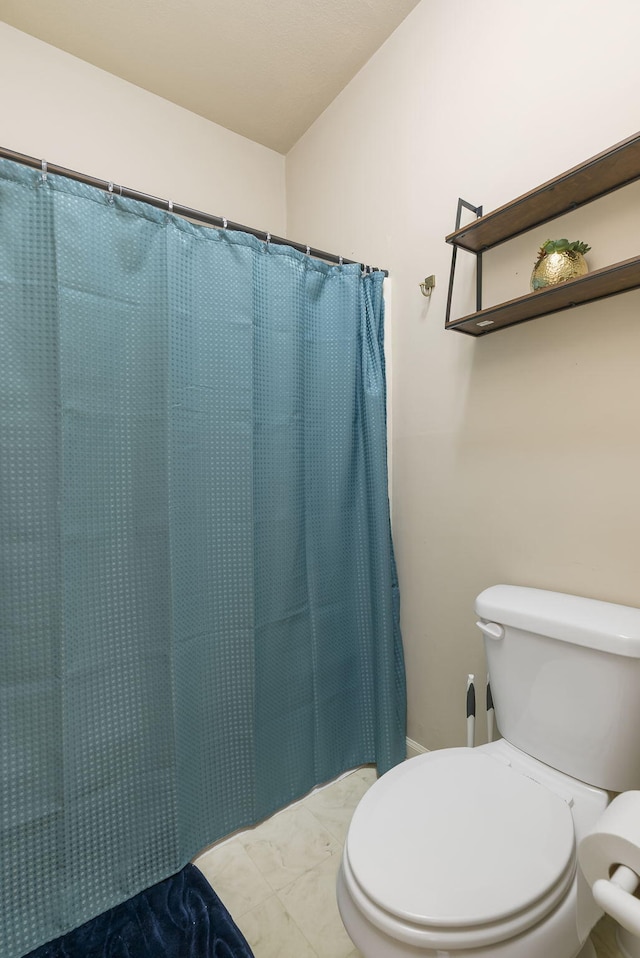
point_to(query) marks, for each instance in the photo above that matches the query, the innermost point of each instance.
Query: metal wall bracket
(463, 205)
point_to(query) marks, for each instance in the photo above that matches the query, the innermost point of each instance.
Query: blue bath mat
(181, 917)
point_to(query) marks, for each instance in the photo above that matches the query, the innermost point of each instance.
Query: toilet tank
(565, 681)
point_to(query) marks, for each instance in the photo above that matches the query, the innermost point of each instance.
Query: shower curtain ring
(308, 251)
(44, 171)
(170, 205)
(224, 222)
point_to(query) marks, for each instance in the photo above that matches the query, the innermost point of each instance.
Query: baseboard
(414, 748)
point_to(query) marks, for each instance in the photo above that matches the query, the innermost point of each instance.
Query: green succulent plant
(561, 246)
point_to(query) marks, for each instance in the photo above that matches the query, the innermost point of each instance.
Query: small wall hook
(428, 286)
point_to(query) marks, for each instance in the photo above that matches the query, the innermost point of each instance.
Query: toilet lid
(455, 839)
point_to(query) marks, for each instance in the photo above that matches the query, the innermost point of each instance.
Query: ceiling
(263, 68)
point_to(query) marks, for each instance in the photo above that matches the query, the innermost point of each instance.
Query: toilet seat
(457, 849)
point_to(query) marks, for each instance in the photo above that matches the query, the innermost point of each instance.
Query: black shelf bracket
(463, 205)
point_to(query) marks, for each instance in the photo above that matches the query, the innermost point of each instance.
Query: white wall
(516, 458)
(57, 107)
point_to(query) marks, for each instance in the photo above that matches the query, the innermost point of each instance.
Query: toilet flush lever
(492, 629)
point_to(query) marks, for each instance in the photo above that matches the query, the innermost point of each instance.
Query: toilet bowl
(473, 852)
(469, 852)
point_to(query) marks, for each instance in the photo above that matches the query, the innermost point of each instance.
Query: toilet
(474, 852)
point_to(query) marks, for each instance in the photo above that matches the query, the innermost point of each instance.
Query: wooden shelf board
(599, 284)
(601, 174)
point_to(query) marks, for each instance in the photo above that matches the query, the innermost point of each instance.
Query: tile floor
(278, 879)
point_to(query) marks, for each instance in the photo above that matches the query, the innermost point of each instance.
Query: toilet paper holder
(615, 896)
(609, 857)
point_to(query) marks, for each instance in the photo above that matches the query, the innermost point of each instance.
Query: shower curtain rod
(218, 221)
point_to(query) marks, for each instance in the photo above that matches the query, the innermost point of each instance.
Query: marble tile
(368, 773)
(234, 877)
(272, 933)
(287, 845)
(311, 902)
(334, 805)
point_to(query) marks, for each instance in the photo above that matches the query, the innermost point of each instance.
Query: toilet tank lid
(604, 626)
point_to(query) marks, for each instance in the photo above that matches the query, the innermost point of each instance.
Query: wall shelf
(600, 283)
(608, 171)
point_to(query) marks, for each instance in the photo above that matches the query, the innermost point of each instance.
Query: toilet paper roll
(615, 839)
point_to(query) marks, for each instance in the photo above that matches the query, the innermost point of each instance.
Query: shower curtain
(199, 608)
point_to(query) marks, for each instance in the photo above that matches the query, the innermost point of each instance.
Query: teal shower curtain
(199, 609)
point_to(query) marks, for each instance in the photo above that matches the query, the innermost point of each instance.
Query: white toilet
(473, 852)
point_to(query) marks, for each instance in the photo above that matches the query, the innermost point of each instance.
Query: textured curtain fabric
(199, 611)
